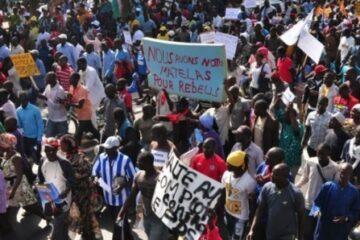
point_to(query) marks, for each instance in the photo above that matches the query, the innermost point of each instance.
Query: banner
(230, 43)
(25, 65)
(232, 13)
(310, 46)
(183, 198)
(196, 71)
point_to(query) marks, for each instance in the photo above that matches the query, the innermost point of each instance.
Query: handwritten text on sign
(191, 70)
(25, 65)
(183, 198)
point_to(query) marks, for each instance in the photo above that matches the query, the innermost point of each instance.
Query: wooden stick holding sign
(34, 84)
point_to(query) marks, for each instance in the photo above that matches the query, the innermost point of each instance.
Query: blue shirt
(30, 121)
(120, 56)
(108, 170)
(4, 52)
(108, 58)
(93, 60)
(69, 51)
(122, 130)
(40, 80)
(335, 201)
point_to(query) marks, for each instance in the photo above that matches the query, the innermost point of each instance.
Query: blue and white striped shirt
(108, 170)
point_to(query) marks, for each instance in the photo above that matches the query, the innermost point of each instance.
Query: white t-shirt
(237, 192)
(53, 174)
(9, 109)
(345, 46)
(57, 111)
(255, 74)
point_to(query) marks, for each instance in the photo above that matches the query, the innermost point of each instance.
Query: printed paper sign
(160, 158)
(232, 13)
(25, 65)
(207, 37)
(191, 70)
(127, 37)
(183, 198)
(48, 193)
(287, 97)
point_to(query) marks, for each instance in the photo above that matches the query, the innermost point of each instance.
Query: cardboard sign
(127, 37)
(232, 13)
(183, 198)
(357, 9)
(25, 65)
(230, 43)
(311, 46)
(207, 37)
(191, 70)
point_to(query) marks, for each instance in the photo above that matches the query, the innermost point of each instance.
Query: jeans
(155, 229)
(54, 129)
(86, 126)
(60, 230)
(236, 227)
(32, 149)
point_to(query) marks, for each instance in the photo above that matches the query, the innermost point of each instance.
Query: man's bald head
(274, 156)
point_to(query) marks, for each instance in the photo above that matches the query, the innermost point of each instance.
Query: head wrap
(7, 140)
(51, 142)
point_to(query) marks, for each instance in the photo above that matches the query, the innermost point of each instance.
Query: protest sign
(357, 9)
(230, 43)
(48, 193)
(310, 46)
(287, 97)
(183, 198)
(207, 37)
(232, 13)
(160, 157)
(249, 4)
(291, 36)
(25, 65)
(127, 37)
(195, 71)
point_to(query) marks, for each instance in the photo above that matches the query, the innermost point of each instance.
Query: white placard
(310, 46)
(160, 157)
(287, 97)
(250, 4)
(127, 37)
(232, 13)
(207, 37)
(183, 198)
(230, 43)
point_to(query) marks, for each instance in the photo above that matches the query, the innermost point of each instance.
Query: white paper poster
(232, 13)
(160, 157)
(207, 37)
(230, 43)
(127, 37)
(312, 47)
(249, 4)
(287, 97)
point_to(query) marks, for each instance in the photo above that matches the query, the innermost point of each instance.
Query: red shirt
(284, 65)
(213, 167)
(63, 76)
(345, 105)
(126, 97)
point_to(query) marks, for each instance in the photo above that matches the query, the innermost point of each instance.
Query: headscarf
(52, 143)
(7, 140)
(70, 141)
(207, 121)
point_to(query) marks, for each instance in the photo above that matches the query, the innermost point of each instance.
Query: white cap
(62, 36)
(111, 142)
(339, 117)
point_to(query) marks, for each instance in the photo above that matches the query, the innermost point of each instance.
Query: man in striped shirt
(63, 72)
(114, 172)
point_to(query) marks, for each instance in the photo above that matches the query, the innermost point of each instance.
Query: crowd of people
(290, 170)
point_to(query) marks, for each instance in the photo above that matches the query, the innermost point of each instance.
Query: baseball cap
(62, 36)
(236, 159)
(111, 142)
(320, 69)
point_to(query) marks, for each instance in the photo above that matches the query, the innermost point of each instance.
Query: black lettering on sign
(176, 169)
(186, 195)
(208, 191)
(188, 178)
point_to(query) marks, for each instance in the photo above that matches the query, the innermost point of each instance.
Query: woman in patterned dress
(18, 188)
(82, 212)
